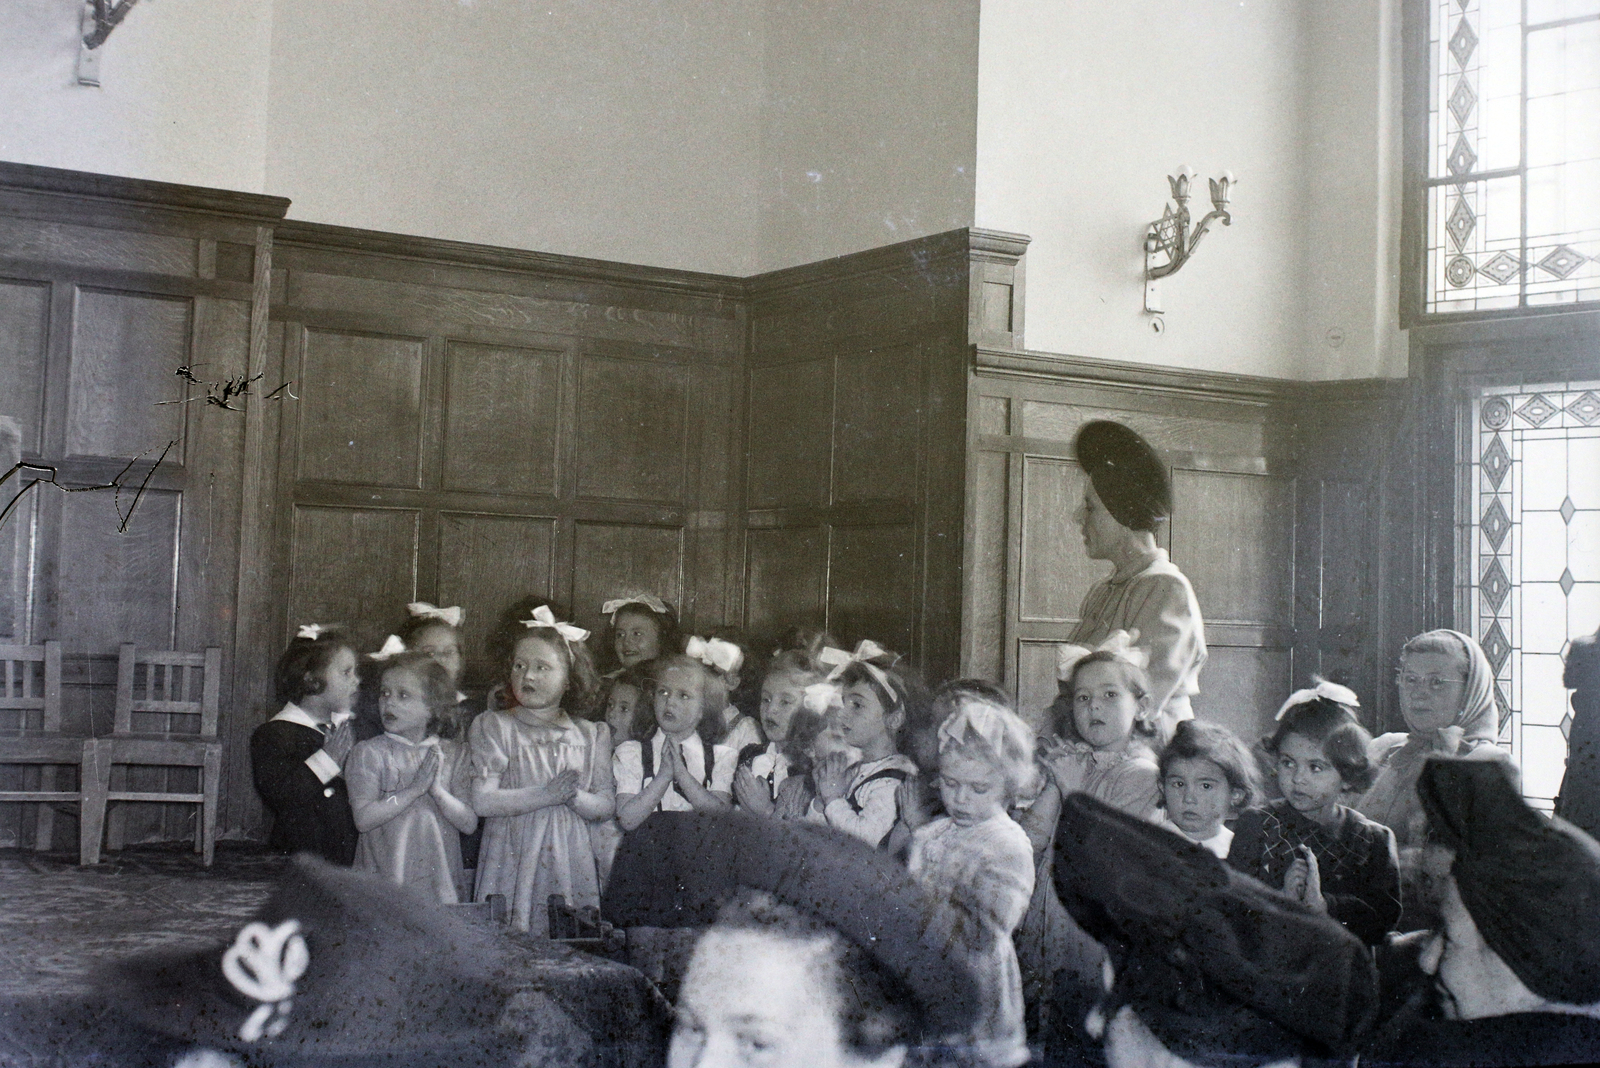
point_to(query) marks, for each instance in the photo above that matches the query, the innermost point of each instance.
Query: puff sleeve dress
(418, 847)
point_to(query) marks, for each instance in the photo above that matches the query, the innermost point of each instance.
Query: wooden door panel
(790, 432)
(125, 350)
(115, 586)
(785, 575)
(878, 424)
(361, 409)
(1241, 688)
(501, 410)
(871, 579)
(486, 562)
(355, 566)
(630, 430)
(1233, 536)
(24, 316)
(1036, 682)
(609, 559)
(1055, 573)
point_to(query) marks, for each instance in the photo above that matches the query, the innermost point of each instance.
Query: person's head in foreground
(1515, 959)
(1206, 966)
(815, 953)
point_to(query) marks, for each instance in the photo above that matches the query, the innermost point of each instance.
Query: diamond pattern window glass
(1513, 155)
(1535, 552)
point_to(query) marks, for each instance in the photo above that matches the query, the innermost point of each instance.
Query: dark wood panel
(630, 432)
(1169, 429)
(24, 316)
(85, 246)
(112, 586)
(16, 539)
(361, 409)
(1242, 687)
(610, 558)
(877, 424)
(352, 566)
(1036, 682)
(1233, 536)
(1054, 572)
(790, 416)
(872, 585)
(984, 649)
(785, 576)
(501, 410)
(486, 562)
(125, 349)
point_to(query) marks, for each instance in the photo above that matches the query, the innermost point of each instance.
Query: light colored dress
(528, 857)
(628, 768)
(1159, 603)
(418, 847)
(743, 730)
(985, 873)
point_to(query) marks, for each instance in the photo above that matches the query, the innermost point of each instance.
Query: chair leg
(211, 787)
(44, 826)
(116, 822)
(96, 783)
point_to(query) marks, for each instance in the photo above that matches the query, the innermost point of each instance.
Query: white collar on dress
(293, 713)
(430, 740)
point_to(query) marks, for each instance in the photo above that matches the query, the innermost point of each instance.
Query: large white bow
(819, 697)
(866, 650)
(310, 631)
(263, 964)
(1119, 642)
(392, 646)
(1323, 688)
(423, 610)
(649, 600)
(993, 724)
(543, 617)
(724, 656)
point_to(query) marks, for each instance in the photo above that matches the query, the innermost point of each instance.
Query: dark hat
(1128, 476)
(1210, 959)
(679, 868)
(338, 968)
(1531, 883)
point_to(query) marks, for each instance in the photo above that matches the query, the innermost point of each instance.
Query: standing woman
(1125, 497)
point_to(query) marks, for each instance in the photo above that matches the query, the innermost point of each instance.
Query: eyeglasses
(1434, 683)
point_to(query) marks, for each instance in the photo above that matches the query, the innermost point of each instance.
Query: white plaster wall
(869, 118)
(182, 97)
(626, 130)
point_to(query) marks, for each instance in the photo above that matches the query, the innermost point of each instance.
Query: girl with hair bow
(435, 632)
(726, 659)
(639, 627)
(542, 771)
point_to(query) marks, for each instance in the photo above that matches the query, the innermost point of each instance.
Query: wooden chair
(166, 717)
(30, 731)
(584, 929)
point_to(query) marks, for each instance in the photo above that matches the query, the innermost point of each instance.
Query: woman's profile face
(753, 998)
(1100, 529)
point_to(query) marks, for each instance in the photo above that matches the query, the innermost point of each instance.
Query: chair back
(30, 689)
(168, 692)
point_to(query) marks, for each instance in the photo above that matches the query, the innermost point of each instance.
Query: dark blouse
(307, 815)
(1356, 859)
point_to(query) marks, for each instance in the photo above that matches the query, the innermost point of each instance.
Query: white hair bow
(1118, 642)
(423, 610)
(310, 631)
(724, 656)
(649, 600)
(392, 646)
(1343, 695)
(819, 697)
(543, 617)
(866, 650)
(263, 964)
(987, 721)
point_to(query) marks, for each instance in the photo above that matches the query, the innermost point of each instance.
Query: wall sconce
(1168, 244)
(100, 17)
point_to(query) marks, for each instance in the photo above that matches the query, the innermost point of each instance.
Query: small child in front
(678, 768)
(1207, 776)
(297, 757)
(542, 772)
(1310, 844)
(407, 784)
(979, 861)
(764, 767)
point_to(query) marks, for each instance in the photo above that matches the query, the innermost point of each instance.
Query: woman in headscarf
(1126, 497)
(1447, 698)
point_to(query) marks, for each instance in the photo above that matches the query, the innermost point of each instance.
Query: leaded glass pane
(1513, 215)
(1535, 543)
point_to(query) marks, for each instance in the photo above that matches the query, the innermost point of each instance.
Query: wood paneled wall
(864, 444)
(107, 287)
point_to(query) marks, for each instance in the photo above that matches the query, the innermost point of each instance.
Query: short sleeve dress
(529, 856)
(418, 847)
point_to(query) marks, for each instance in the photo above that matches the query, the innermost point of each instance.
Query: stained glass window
(1535, 480)
(1512, 186)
